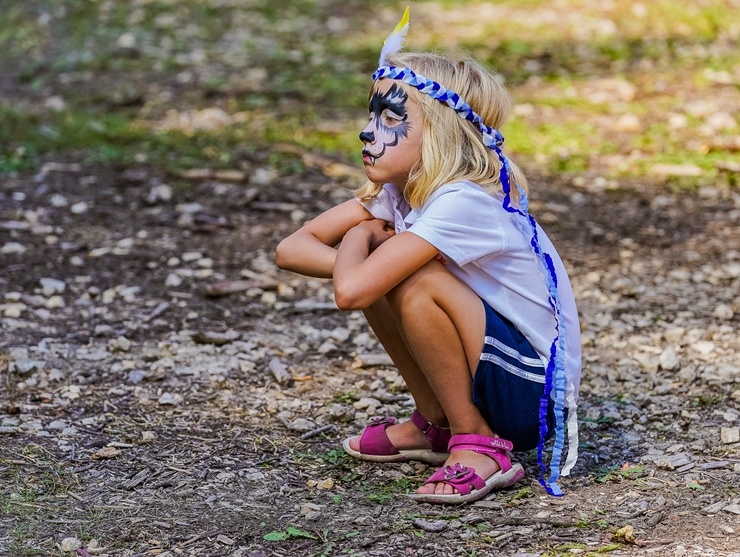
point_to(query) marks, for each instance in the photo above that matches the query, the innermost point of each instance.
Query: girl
(460, 285)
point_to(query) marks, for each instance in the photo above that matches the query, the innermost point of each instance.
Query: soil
(142, 416)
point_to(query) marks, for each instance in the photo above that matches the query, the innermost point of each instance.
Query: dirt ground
(144, 411)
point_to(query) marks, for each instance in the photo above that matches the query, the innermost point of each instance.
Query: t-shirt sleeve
(380, 206)
(462, 222)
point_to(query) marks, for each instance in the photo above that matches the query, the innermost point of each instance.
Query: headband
(558, 384)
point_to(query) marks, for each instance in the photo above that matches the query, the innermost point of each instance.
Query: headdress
(558, 385)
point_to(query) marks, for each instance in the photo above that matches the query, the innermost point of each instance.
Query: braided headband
(558, 384)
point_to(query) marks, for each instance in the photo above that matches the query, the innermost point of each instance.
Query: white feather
(395, 40)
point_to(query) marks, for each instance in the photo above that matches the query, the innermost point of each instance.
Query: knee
(417, 288)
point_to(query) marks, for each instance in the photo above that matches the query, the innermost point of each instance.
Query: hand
(439, 257)
(376, 231)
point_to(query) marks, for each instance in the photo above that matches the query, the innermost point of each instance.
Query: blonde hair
(452, 148)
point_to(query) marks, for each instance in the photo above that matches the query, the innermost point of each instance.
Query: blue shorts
(509, 382)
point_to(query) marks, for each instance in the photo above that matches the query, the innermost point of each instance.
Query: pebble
(724, 312)
(119, 344)
(79, 208)
(24, 367)
(730, 435)
(136, 375)
(68, 545)
(704, 347)
(51, 286)
(668, 359)
(170, 399)
(326, 347)
(55, 302)
(173, 280)
(429, 525)
(13, 248)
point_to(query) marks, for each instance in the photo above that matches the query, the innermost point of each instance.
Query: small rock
(221, 538)
(301, 424)
(327, 347)
(328, 483)
(704, 347)
(51, 286)
(674, 334)
(366, 402)
(127, 41)
(55, 302)
(160, 192)
(68, 545)
(724, 312)
(668, 359)
(171, 399)
(173, 280)
(13, 248)
(120, 344)
(24, 367)
(734, 508)
(307, 508)
(730, 435)
(57, 424)
(136, 375)
(79, 208)
(429, 525)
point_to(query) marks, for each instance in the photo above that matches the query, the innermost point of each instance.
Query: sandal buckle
(456, 472)
(380, 420)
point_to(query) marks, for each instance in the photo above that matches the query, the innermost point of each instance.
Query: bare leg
(443, 324)
(405, 435)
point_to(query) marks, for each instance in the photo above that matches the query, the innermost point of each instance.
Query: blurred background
(611, 93)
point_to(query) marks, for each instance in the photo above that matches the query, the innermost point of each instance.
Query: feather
(395, 40)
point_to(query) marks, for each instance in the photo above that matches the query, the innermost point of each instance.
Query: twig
(197, 537)
(75, 496)
(156, 312)
(318, 430)
(532, 521)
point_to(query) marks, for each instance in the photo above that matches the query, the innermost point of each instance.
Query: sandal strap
(374, 440)
(438, 436)
(493, 447)
(458, 476)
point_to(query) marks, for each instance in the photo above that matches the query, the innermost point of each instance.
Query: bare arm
(311, 250)
(362, 274)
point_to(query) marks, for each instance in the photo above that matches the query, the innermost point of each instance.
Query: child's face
(392, 138)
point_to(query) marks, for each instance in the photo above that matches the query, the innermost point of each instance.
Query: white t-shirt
(486, 249)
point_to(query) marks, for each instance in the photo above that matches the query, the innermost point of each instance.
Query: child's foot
(402, 435)
(478, 464)
(483, 465)
(386, 440)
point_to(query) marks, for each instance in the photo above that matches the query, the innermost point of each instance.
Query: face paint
(388, 122)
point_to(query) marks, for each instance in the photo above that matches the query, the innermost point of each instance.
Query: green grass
(298, 72)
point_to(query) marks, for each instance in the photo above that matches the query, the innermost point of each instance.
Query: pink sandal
(470, 485)
(376, 447)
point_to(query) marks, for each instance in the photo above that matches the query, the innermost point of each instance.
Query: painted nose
(367, 137)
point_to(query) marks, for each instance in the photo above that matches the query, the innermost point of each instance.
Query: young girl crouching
(463, 289)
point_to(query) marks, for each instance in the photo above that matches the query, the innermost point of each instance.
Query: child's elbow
(282, 254)
(348, 298)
